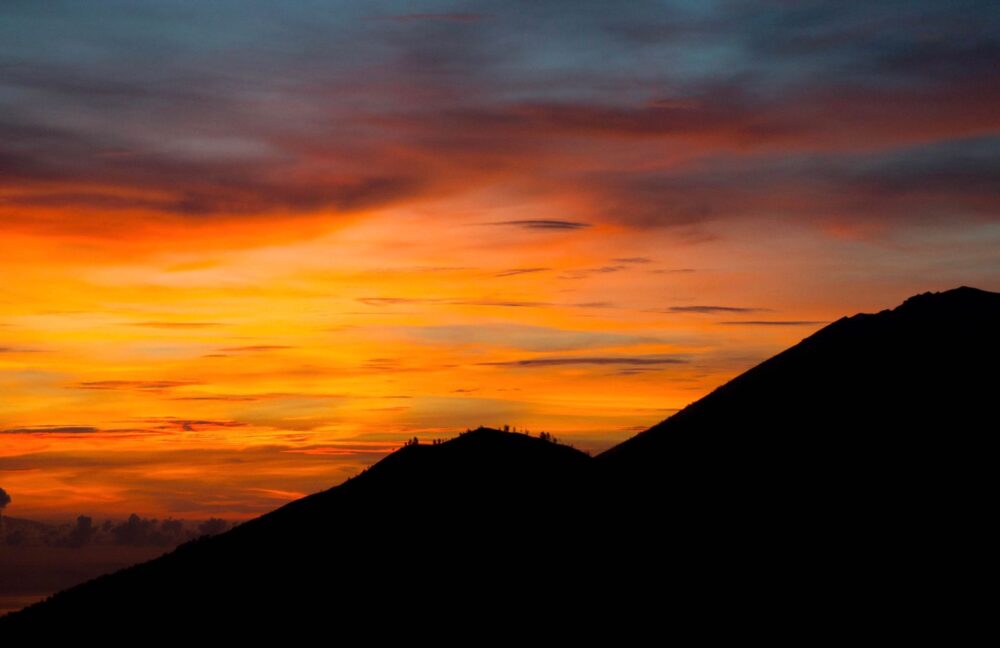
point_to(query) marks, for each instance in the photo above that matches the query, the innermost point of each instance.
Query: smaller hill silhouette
(428, 525)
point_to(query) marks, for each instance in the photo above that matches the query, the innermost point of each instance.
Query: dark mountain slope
(930, 362)
(886, 418)
(855, 466)
(425, 529)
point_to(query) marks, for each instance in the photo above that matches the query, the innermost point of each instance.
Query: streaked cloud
(256, 348)
(52, 429)
(144, 385)
(498, 303)
(711, 310)
(773, 323)
(591, 360)
(456, 17)
(535, 224)
(528, 338)
(513, 272)
(177, 325)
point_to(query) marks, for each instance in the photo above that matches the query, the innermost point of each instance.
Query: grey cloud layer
(806, 111)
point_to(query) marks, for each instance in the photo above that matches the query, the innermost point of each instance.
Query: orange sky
(246, 254)
(212, 373)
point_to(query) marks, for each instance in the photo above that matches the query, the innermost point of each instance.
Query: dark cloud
(52, 429)
(177, 325)
(812, 111)
(633, 260)
(81, 534)
(590, 360)
(135, 385)
(498, 303)
(773, 323)
(212, 526)
(637, 371)
(135, 531)
(455, 17)
(171, 424)
(254, 348)
(139, 532)
(383, 364)
(235, 398)
(501, 303)
(711, 309)
(521, 336)
(262, 396)
(545, 224)
(420, 269)
(587, 272)
(723, 114)
(921, 184)
(396, 301)
(520, 271)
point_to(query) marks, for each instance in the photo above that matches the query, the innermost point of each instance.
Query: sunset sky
(250, 247)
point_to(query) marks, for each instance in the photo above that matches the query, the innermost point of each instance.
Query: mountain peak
(912, 370)
(961, 297)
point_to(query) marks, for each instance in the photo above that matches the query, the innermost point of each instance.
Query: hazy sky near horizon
(248, 247)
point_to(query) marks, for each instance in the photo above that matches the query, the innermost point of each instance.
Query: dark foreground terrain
(847, 478)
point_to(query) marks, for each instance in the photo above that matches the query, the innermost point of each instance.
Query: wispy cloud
(587, 272)
(590, 360)
(520, 336)
(519, 271)
(254, 348)
(779, 101)
(773, 323)
(172, 424)
(397, 301)
(52, 429)
(136, 385)
(485, 302)
(451, 17)
(177, 325)
(501, 303)
(536, 224)
(711, 310)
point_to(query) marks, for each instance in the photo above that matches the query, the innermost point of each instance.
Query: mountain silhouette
(428, 529)
(865, 399)
(869, 441)
(901, 370)
(859, 458)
